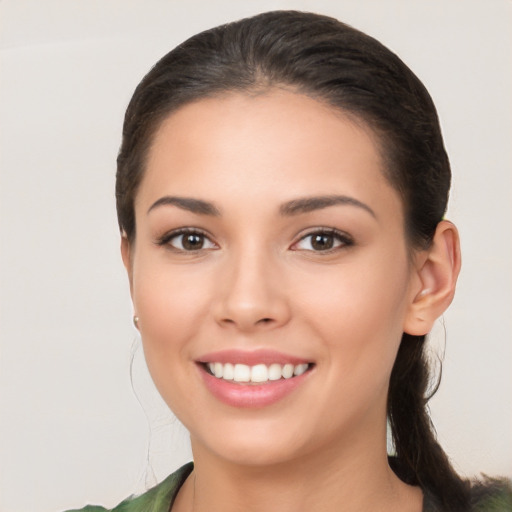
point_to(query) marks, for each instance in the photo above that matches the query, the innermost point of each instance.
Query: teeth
(256, 374)
(218, 370)
(228, 371)
(242, 373)
(259, 373)
(300, 369)
(288, 371)
(275, 372)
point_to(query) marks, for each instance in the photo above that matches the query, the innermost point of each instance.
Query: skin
(258, 283)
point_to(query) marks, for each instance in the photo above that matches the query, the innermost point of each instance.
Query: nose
(252, 293)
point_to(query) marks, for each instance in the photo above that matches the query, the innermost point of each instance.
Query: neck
(356, 480)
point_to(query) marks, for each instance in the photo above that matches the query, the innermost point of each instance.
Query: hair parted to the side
(352, 72)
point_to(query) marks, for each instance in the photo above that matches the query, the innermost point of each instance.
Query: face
(270, 274)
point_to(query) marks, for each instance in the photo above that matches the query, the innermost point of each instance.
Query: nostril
(258, 323)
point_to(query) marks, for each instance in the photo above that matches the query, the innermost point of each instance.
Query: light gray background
(71, 430)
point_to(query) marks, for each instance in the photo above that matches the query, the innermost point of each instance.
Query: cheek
(170, 304)
(361, 295)
(359, 311)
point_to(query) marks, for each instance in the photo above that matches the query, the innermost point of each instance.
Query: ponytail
(420, 460)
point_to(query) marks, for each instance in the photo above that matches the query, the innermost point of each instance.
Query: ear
(437, 269)
(126, 254)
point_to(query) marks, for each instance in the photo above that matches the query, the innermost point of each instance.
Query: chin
(260, 444)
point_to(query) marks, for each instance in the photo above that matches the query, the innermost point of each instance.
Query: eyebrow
(187, 203)
(309, 204)
(290, 208)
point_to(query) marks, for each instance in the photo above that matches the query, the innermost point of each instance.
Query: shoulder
(483, 495)
(491, 495)
(157, 499)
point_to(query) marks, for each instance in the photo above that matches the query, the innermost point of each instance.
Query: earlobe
(437, 269)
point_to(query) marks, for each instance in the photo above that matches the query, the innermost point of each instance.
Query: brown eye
(323, 241)
(187, 241)
(192, 241)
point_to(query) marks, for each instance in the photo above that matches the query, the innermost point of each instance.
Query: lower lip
(251, 395)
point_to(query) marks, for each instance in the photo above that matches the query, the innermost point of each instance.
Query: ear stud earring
(136, 322)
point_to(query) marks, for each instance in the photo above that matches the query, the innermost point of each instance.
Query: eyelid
(343, 237)
(169, 235)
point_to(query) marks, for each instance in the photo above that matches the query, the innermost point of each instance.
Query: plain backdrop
(71, 428)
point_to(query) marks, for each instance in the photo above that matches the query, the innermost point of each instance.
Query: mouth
(256, 374)
(253, 379)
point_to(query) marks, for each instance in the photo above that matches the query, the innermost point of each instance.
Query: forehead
(270, 145)
(291, 115)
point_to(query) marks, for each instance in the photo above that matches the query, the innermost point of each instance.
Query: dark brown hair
(336, 64)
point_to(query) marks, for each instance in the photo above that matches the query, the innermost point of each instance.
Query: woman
(281, 188)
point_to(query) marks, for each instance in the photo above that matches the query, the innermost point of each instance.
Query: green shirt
(494, 497)
(158, 499)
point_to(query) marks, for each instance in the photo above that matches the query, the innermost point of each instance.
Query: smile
(257, 374)
(253, 379)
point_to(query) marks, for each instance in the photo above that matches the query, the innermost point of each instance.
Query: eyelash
(343, 239)
(166, 239)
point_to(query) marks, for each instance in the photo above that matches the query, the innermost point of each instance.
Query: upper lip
(251, 357)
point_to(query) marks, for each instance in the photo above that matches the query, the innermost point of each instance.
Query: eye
(323, 240)
(187, 240)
